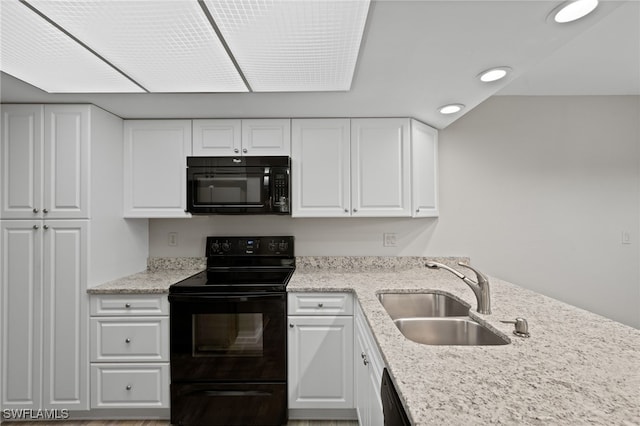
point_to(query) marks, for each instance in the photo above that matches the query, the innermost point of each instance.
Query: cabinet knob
(236, 150)
(320, 305)
(128, 387)
(36, 210)
(127, 305)
(346, 210)
(355, 210)
(127, 340)
(36, 227)
(417, 210)
(291, 325)
(46, 226)
(45, 211)
(245, 150)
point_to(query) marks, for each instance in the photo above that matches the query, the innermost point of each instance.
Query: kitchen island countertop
(576, 368)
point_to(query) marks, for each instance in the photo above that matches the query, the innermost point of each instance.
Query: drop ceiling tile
(164, 45)
(35, 51)
(287, 46)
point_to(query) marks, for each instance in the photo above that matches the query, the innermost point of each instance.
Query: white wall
(536, 190)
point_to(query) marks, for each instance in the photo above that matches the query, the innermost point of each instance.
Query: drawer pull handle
(128, 387)
(127, 305)
(127, 340)
(320, 305)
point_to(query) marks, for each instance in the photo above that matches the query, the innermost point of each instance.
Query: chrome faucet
(480, 288)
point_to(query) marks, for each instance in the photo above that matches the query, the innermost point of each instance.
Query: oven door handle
(226, 298)
(235, 393)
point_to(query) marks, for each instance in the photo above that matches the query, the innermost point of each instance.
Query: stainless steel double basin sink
(436, 319)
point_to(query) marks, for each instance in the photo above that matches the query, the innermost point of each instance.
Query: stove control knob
(283, 245)
(272, 246)
(215, 247)
(226, 246)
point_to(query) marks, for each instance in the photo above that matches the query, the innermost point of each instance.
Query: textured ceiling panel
(35, 51)
(293, 45)
(166, 46)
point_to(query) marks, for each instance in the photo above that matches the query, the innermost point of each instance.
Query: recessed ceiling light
(450, 109)
(494, 74)
(573, 10)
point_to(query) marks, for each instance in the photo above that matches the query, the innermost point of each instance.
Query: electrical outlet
(626, 237)
(389, 239)
(173, 239)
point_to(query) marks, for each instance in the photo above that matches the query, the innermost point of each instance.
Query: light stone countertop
(576, 368)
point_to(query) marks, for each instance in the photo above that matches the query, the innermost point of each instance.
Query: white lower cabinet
(44, 305)
(129, 351)
(368, 373)
(320, 352)
(126, 385)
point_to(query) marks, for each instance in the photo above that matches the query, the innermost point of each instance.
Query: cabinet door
(66, 364)
(424, 170)
(155, 162)
(66, 162)
(361, 378)
(320, 356)
(320, 168)
(380, 167)
(21, 161)
(266, 137)
(21, 286)
(216, 137)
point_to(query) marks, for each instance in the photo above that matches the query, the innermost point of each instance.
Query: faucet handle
(481, 278)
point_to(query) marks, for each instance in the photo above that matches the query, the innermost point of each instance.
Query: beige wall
(536, 190)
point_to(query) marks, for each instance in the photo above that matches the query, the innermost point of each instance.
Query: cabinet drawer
(130, 385)
(129, 339)
(131, 304)
(320, 304)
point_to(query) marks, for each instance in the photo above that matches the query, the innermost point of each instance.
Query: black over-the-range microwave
(239, 185)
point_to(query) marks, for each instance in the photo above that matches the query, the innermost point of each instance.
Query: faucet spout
(480, 287)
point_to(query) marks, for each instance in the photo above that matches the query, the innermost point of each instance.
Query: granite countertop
(576, 368)
(159, 275)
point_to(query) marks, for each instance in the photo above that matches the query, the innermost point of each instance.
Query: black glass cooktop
(234, 280)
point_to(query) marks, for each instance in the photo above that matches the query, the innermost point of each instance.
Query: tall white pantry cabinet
(61, 175)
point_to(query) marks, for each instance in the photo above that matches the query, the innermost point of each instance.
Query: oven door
(228, 337)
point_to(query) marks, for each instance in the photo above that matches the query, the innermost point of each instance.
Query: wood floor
(166, 423)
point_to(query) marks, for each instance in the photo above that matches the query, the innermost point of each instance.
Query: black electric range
(228, 334)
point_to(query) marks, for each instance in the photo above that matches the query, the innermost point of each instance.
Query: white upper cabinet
(45, 161)
(380, 167)
(253, 137)
(155, 164)
(364, 167)
(217, 138)
(267, 136)
(424, 167)
(320, 163)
